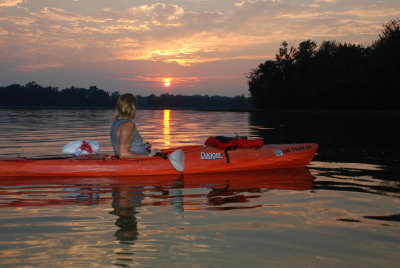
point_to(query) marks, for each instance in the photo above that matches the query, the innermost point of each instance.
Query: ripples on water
(45, 132)
(329, 215)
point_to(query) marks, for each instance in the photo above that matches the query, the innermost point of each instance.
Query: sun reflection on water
(166, 127)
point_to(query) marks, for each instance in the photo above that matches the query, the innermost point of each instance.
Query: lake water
(342, 211)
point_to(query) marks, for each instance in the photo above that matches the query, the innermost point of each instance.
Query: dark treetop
(331, 76)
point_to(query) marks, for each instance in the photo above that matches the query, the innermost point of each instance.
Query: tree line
(332, 76)
(33, 94)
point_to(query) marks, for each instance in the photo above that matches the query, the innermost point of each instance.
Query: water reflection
(127, 193)
(218, 197)
(166, 127)
(125, 200)
(224, 191)
(394, 217)
(342, 210)
(357, 178)
(362, 178)
(343, 136)
(50, 195)
(129, 197)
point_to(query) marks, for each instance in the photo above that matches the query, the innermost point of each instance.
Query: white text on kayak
(211, 156)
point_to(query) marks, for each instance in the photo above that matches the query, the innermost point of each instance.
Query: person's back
(137, 145)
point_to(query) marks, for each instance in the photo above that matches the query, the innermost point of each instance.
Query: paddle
(177, 159)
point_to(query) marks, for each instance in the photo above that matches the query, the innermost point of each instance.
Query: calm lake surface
(342, 211)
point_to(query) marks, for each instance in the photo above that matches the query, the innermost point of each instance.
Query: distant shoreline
(19, 107)
(386, 112)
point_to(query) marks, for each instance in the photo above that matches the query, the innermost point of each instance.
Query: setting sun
(167, 82)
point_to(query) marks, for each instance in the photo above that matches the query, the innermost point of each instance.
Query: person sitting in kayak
(125, 137)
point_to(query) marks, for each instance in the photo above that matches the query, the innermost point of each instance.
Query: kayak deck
(198, 159)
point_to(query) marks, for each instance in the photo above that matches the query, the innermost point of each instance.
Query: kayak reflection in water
(125, 137)
(219, 197)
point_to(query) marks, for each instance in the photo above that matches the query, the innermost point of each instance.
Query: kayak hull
(198, 159)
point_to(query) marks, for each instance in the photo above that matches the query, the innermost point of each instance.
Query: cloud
(38, 67)
(58, 15)
(158, 13)
(10, 3)
(326, 1)
(36, 37)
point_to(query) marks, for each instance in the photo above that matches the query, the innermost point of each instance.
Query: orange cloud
(10, 3)
(178, 80)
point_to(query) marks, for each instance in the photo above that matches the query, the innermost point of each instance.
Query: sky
(183, 47)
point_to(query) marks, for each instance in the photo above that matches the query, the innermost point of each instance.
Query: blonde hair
(126, 107)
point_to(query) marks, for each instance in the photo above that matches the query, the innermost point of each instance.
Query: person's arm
(126, 135)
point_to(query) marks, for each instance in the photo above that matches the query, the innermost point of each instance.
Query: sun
(167, 82)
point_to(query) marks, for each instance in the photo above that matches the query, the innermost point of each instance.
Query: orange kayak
(197, 159)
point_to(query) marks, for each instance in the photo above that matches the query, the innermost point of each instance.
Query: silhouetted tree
(32, 94)
(333, 76)
(384, 66)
